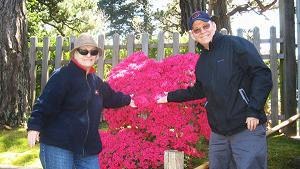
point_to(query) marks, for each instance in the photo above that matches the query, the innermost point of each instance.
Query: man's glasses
(85, 52)
(198, 30)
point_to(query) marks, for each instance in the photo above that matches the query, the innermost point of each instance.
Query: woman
(65, 118)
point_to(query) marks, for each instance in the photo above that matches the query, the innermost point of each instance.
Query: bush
(138, 137)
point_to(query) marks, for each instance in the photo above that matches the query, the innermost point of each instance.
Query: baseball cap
(199, 15)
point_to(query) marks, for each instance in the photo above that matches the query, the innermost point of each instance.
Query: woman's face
(86, 56)
(203, 32)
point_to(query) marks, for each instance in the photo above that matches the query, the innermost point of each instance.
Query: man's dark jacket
(67, 113)
(235, 81)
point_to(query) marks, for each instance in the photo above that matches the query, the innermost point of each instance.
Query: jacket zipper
(88, 118)
(244, 95)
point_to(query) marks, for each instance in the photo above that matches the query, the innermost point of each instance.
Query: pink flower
(137, 138)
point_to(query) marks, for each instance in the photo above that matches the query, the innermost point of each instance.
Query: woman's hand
(33, 137)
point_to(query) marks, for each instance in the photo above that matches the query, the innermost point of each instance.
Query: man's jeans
(57, 158)
(244, 150)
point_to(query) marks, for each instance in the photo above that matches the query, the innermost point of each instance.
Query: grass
(15, 151)
(282, 152)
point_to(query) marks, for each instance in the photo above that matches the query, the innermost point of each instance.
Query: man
(236, 82)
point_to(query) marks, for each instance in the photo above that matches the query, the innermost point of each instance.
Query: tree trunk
(14, 63)
(188, 7)
(219, 8)
(289, 63)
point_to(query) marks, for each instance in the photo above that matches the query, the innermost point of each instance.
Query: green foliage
(128, 16)
(120, 14)
(64, 17)
(169, 19)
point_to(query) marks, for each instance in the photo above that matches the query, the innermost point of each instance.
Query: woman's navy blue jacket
(235, 81)
(67, 114)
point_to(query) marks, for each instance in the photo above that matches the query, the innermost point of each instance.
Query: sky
(247, 20)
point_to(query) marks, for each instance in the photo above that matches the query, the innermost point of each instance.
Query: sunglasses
(84, 52)
(201, 29)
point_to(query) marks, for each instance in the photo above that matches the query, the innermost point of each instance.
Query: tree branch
(265, 7)
(240, 8)
(250, 7)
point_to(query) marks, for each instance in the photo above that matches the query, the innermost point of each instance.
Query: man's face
(203, 32)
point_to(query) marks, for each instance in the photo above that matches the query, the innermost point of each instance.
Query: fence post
(173, 159)
(274, 69)
(145, 43)
(72, 41)
(256, 38)
(191, 44)
(32, 59)
(100, 67)
(45, 60)
(116, 49)
(176, 48)
(240, 32)
(160, 46)
(58, 51)
(130, 44)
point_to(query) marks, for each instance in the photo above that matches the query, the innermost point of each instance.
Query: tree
(64, 17)
(127, 16)
(14, 63)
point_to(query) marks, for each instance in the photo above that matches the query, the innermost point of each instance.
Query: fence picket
(45, 60)
(240, 32)
(274, 69)
(100, 64)
(191, 44)
(256, 39)
(58, 51)
(130, 44)
(116, 49)
(32, 59)
(145, 43)
(176, 48)
(160, 46)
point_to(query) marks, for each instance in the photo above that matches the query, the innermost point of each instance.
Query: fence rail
(144, 45)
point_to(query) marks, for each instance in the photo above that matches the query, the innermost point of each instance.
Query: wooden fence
(144, 45)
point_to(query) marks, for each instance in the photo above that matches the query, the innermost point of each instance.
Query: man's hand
(33, 137)
(252, 122)
(132, 104)
(163, 99)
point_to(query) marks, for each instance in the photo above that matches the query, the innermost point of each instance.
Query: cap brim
(201, 19)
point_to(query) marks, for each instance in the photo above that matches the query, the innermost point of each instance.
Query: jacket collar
(90, 71)
(215, 38)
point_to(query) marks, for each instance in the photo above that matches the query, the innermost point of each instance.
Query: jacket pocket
(244, 95)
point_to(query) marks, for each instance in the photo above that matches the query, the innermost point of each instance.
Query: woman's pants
(57, 158)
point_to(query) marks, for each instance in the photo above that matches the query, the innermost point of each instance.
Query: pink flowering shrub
(138, 137)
